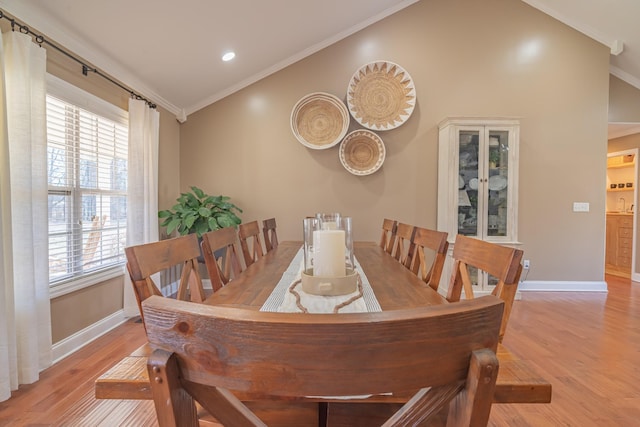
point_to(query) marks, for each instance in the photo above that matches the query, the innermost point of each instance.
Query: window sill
(65, 288)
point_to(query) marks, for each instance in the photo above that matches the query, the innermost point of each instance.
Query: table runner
(283, 301)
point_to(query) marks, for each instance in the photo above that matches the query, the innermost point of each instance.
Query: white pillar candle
(329, 253)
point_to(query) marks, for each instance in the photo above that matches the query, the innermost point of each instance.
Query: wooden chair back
(436, 243)
(249, 234)
(270, 235)
(444, 354)
(227, 266)
(403, 246)
(388, 234)
(502, 262)
(143, 261)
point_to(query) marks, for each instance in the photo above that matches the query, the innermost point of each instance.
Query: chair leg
(174, 406)
(472, 406)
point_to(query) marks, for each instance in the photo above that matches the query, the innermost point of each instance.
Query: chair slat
(388, 234)
(249, 234)
(436, 242)
(223, 239)
(403, 246)
(270, 234)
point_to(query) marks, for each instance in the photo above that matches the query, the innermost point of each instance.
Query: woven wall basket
(362, 152)
(319, 120)
(381, 95)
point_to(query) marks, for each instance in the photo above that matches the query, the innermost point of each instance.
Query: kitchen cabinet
(619, 244)
(478, 182)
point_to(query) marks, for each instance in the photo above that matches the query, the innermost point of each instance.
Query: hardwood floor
(586, 344)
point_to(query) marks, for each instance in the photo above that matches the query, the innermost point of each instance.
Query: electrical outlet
(526, 264)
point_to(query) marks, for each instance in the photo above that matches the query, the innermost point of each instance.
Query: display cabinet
(478, 181)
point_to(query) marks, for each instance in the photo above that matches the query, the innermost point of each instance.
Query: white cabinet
(478, 181)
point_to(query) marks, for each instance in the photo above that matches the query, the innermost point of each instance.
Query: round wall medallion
(362, 152)
(381, 95)
(319, 120)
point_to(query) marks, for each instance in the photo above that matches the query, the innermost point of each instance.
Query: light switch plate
(580, 206)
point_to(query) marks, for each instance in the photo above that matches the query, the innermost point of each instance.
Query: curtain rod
(39, 38)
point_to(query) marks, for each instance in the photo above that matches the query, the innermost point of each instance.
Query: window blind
(87, 177)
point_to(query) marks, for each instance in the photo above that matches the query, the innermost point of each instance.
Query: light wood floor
(586, 344)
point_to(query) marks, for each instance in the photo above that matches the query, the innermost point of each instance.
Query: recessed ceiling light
(228, 56)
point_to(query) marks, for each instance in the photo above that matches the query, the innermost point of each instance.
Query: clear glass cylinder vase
(328, 245)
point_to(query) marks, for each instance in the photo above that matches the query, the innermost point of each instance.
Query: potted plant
(197, 212)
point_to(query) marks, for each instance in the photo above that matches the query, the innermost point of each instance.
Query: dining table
(394, 286)
(273, 282)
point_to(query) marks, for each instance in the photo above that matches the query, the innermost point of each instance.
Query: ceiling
(172, 55)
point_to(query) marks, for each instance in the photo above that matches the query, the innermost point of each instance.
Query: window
(87, 141)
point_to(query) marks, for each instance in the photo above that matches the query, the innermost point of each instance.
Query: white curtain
(25, 318)
(142, 191)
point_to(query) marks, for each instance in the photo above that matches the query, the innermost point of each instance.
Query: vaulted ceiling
(171, 51)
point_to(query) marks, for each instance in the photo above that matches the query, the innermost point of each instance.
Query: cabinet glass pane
(468, 182)
(481, 280)
(498, 183)
(492, 281)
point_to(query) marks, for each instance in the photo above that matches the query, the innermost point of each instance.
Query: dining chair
(388, 234)
(403, 246)
(213, 354)
(435, 242)
(226, 265)
(249, 234)
(270, 235)
(501, 262)
(144, 261)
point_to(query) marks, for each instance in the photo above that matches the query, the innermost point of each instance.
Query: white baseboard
(73, 343)
(562, 286)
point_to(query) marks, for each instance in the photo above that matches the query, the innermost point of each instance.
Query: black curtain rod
(39, 38)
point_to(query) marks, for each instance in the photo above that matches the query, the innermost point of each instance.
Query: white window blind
(87, 176)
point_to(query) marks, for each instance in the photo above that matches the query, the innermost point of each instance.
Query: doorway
(621, 201)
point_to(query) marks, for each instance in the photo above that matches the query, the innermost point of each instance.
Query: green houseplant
(197, 212)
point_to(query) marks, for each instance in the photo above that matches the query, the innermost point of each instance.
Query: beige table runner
(283, 297)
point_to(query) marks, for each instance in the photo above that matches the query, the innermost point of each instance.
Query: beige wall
(624, 102)
(75, 311)
(467, 58)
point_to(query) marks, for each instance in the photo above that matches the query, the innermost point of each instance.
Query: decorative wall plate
(381, 95)
(473, 183)
(362, 152)
(319, 120)
(498, 182)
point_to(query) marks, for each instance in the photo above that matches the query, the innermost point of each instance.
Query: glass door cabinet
(477, 182)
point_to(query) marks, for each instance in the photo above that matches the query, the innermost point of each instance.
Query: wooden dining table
(394, 286)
